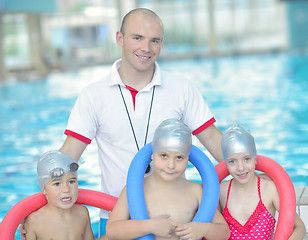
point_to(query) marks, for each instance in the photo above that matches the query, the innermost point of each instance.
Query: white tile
(303, 212)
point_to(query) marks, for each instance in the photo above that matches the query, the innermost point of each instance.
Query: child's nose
(65, 187)
(171, 163)
(240, 165)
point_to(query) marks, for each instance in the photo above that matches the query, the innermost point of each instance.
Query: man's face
(141, 42)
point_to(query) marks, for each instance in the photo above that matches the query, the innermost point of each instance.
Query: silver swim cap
(172, 135)
(53, 165)
(237, 139)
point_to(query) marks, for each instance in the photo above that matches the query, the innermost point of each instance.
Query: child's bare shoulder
(36, 218)
(191, 188)
(196, 185)
(80, 210)
(223, 188)
(268, 185)
(224, 185)
(194, 190)
(191, 184)
(266, 181)
(80, 207)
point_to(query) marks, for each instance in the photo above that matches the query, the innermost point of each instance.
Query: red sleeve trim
(78, 136)
(204, 126)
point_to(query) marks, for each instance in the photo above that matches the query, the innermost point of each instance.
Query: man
(123, 109)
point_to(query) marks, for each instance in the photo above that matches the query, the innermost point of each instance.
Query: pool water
(268, 94)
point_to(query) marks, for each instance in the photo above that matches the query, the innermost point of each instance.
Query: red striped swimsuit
(260, 224)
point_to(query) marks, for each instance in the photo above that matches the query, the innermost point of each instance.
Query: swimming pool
(268, 94)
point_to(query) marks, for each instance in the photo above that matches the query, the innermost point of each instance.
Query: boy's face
(241, 166)
(63, 192)
(169, 164)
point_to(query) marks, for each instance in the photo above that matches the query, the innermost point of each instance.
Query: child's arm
(88, 234)
(120, 227)
(218, 229)
(299, 229)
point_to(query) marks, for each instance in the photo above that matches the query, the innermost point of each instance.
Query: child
(248, 202)
(60, 218)
(171, 200)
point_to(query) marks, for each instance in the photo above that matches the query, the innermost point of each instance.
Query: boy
(171, 200)
(60, 218)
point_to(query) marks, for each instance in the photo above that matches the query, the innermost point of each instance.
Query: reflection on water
(267, 94)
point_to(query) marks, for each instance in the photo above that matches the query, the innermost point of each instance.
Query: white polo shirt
(99, 112)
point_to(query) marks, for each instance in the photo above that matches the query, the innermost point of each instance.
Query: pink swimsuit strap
(260, 224)
(229, 188)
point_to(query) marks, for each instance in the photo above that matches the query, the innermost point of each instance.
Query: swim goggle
(59, 172)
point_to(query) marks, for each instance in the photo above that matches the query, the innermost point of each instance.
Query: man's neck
(135, 79)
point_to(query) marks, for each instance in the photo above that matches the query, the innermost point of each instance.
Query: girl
(248, 202)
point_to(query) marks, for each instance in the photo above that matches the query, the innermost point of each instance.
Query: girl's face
(169, 165)
(241, 166)
(63, 192)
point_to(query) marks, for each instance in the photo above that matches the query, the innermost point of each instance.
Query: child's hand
(190, 231)
(162, 226)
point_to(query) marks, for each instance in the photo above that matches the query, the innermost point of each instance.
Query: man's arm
(73, 147)
(211, 139)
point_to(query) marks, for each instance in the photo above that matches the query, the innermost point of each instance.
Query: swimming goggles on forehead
(59, 172)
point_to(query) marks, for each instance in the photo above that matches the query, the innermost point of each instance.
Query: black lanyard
(130, 121)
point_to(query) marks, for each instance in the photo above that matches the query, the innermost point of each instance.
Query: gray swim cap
(172, 135)
(237, 139)
(53, 165)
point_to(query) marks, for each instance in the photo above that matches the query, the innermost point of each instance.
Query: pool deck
(302, 205)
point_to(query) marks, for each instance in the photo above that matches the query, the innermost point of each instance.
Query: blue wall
(27, 5)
